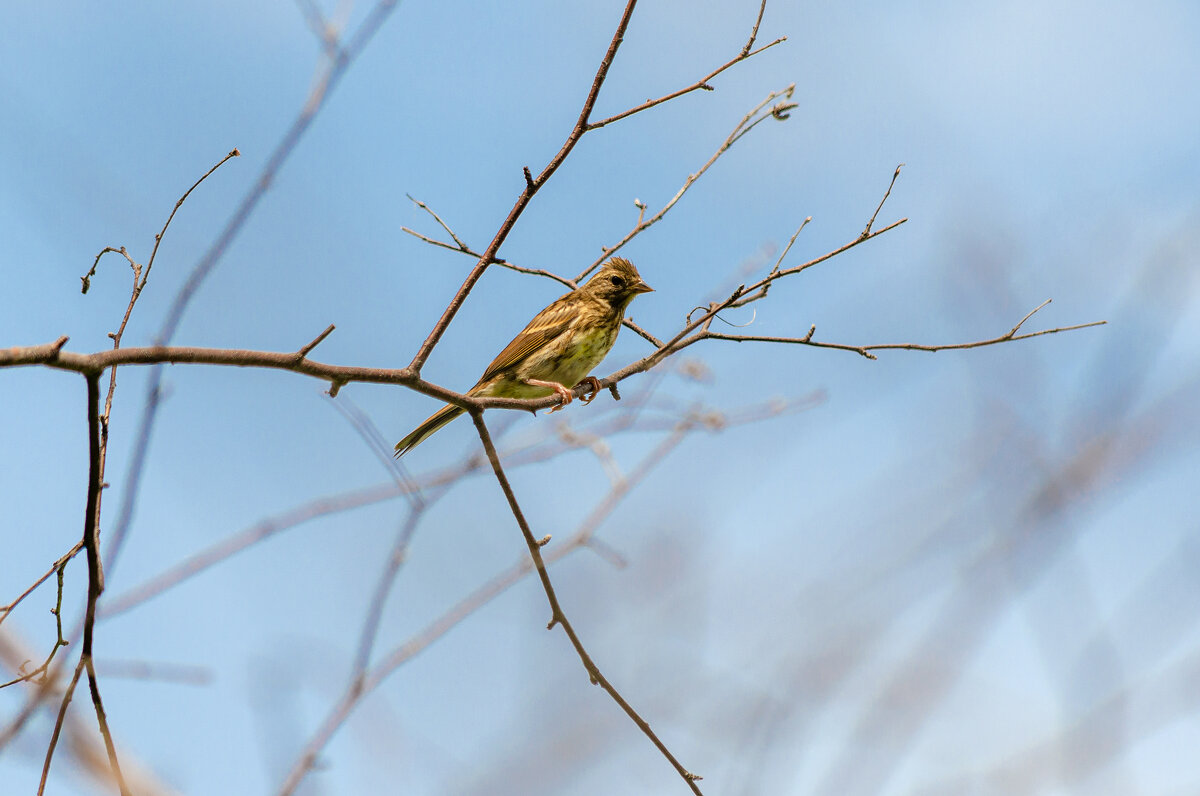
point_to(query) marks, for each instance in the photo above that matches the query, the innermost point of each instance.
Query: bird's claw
(566, 395)
(593, 389)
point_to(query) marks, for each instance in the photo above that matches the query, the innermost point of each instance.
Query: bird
(557, 349)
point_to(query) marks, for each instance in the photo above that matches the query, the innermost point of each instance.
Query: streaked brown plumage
(558, 348)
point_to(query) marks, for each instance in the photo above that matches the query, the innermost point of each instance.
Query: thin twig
(558, 617)
(865, 350)
(531, 187)
(754, 33)
(867, 229)
(59, 720)
(56, 567)
(338, 65)
(748, 122)
(701, 84)
(50, 356)
(325, 506)
(627, 322)
(59, 642)
(304, 352)
(461, 246)
(500, 261)
(360, 686)
(91, 546)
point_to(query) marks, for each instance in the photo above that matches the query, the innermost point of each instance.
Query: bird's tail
(419, 434)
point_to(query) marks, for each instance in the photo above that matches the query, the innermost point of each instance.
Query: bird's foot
(593, 389)
(563, 393)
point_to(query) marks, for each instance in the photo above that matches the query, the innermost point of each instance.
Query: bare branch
(702, 83)
(464, 249)
(558, 617)
(867, 229)
(303, 352)
(336, 69)
(60, 641)
(1009, 336)
(531, 187)
(461, 246)
(56, 567)
(91, 547)
(754, 32)
(86, 279)
(748, 123)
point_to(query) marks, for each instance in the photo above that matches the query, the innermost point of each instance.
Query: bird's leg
(593, 389)
(563, 393)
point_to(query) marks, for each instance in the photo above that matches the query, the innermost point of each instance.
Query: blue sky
(930, 581)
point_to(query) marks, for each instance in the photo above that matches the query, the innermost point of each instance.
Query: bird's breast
(568, 359)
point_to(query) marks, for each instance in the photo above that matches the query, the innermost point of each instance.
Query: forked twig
(748, 122)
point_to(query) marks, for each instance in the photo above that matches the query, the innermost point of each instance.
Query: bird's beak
(642, 287)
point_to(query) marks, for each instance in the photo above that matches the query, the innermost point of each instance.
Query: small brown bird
(556, 351)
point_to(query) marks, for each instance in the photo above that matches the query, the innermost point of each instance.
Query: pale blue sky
(1051, 151)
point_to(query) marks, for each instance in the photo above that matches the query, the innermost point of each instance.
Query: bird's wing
(545, 326)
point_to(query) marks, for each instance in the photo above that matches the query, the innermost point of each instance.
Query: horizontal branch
(865, 350)
(50, 355)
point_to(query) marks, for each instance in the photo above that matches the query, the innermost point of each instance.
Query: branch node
(612, 388)
(867, 230)
(530, 186)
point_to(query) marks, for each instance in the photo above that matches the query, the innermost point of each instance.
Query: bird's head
(616, 283)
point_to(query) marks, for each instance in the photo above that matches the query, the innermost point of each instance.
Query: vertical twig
(531, 187)
(557, 617)
(91, 547)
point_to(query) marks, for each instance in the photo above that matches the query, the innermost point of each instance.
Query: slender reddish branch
(752, 119)
(532, 185)
(558, 617)
(91, 546)
(360, 687)
(865, 351)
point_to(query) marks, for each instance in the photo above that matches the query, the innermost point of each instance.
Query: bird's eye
(617, 281)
